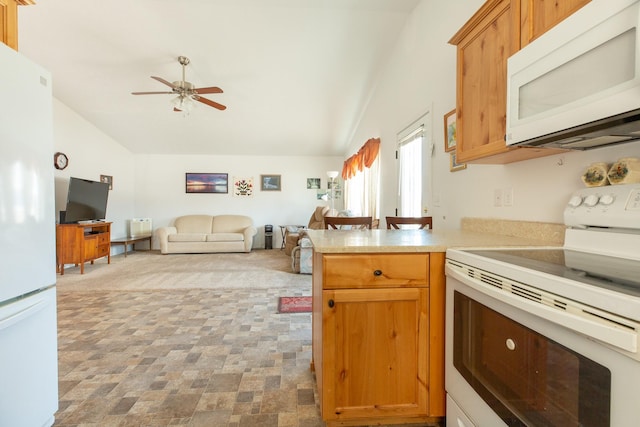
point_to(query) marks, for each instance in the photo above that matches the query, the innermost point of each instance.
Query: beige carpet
(144, 270)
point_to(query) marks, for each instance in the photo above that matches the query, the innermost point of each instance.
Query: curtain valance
(364, 158)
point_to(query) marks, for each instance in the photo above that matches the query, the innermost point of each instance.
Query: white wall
(153, 186)
(91, 154)
(160, 189)
(420, 77)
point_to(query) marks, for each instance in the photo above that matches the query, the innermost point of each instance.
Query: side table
(125, 241)
(283, 229)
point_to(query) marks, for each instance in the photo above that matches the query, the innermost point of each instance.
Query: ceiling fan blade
(150, 93)
(203, 90)
(161, 80)
(210, 103)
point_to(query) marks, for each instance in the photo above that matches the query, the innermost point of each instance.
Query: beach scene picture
(207, 183)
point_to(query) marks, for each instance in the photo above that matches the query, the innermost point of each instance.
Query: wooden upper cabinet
(537, 16)
(9, 23)
(484, 44)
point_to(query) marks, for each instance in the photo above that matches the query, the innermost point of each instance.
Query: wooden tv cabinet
(79, 243)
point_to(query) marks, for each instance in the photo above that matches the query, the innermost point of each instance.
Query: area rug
(294, 305)
(144, 270)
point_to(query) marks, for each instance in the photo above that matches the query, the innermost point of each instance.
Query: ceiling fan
(185, 91)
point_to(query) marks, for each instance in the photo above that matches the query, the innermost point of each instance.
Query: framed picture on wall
(450, 133)
(207, 182)
(270, 183)
(108, 179)
(313, 183)
(453, 163)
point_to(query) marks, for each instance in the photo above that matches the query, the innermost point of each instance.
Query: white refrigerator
(28, 342)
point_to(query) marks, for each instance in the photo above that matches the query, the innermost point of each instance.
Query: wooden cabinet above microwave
(9, 21)
(496, 31)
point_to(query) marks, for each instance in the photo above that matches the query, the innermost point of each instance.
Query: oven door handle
(618, 332)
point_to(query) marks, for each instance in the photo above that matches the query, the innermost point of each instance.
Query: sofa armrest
(163, 237)
(249, 232)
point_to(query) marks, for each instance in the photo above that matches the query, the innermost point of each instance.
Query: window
(361, 191)
(413, 168)
(361, 187)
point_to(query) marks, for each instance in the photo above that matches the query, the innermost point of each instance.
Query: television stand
(79, 243)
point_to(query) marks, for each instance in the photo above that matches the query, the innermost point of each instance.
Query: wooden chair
(356, 222)
(423, 221)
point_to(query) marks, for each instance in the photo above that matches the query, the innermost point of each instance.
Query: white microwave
(578, 85)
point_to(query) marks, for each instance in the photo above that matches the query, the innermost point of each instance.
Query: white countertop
(383, 240)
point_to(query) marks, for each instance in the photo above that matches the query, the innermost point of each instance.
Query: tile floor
(184, 358)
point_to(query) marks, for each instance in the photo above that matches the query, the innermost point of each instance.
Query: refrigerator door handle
(14, 317)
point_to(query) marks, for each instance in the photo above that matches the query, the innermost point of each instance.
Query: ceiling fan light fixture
(183, 103)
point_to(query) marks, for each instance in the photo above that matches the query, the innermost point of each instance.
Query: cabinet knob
(331, 303)
(377, 273)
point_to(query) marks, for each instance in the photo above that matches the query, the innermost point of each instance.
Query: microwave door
(576, 81)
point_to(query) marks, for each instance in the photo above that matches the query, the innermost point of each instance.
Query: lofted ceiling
(296, 74)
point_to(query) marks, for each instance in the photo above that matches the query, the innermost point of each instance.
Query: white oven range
(549, 336)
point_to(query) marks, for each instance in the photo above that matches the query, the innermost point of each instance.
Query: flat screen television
(86, 201)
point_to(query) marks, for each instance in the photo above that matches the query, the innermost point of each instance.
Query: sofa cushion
(193, 224)
(230, 224)
(225, 237)
(187, 237)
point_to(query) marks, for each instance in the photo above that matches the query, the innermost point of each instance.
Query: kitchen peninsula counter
(378, 321)
(372, 241)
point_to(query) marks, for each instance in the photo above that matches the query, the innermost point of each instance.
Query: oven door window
(526, 378)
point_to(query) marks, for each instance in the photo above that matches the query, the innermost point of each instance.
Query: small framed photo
(207, 183)
(108, 179)
(243, 186)
(453, 163)
(270, 183)
(450, 132)
(313, 183)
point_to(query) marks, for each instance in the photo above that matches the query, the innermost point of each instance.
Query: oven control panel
(612, 206)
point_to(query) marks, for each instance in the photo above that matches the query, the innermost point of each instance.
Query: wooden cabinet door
(375, 353)
(484, 44)
(90, 247)
(538, 16)
(9, 23)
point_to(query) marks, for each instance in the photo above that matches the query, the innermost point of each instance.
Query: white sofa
(207, 233)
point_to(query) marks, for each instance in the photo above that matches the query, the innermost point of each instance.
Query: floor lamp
(332, 175)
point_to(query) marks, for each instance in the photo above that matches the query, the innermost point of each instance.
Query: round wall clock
(60, 160)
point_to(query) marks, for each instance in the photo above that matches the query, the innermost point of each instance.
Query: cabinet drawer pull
(331, 303)
(377, 273)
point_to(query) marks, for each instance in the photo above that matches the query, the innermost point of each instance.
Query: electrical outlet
(497, 197)
(507, 198)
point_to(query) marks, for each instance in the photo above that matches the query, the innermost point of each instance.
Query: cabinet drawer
(102, 250)
(103, 238)
(379, 270)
